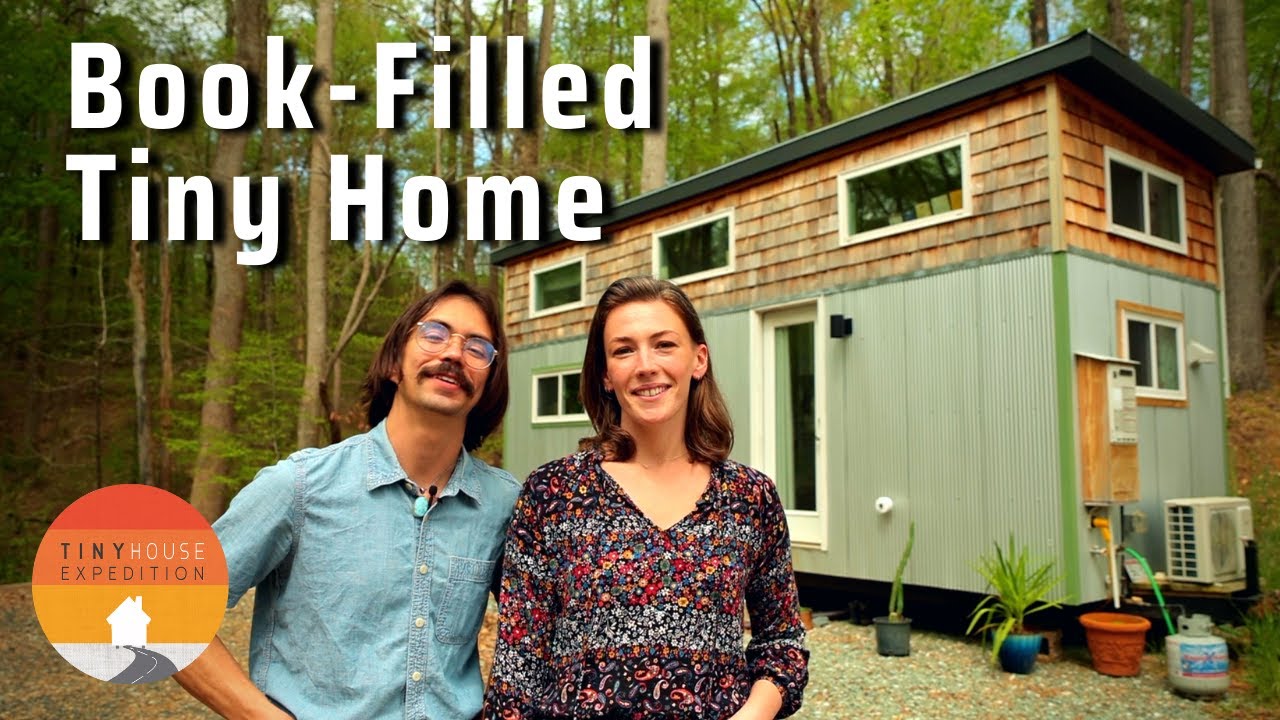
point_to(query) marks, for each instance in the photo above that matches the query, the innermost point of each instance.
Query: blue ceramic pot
(1018, 653)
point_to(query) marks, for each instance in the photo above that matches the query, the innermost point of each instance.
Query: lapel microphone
(421, 503)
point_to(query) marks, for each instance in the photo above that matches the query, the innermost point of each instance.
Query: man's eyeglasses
(434, 337)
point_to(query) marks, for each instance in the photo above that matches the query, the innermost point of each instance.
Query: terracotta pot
(1116, 642)
(806, 618)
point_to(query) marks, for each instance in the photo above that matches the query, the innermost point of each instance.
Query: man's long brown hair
(708, 430)
(379, 390)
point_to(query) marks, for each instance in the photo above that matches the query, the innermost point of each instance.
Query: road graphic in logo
(130, 584)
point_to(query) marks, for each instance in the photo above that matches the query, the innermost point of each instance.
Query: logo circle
(130, 584)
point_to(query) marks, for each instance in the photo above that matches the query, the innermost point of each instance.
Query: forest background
(166, 363)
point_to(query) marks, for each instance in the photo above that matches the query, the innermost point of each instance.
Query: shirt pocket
(460, 610)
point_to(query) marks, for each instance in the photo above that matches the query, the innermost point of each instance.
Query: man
(373, 558)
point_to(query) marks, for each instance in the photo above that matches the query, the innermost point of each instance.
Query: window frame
(581, 260)
(707, 219)
(1110, 154)
(560, 418)
(966, 190)
(1155, 395)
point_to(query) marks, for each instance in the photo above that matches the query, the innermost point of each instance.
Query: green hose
(1154, 586)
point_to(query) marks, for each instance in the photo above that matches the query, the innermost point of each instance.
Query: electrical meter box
(1107, 413)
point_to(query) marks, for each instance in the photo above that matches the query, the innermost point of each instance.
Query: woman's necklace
(682, 454)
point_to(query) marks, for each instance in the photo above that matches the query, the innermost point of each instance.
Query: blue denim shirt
(363, 610)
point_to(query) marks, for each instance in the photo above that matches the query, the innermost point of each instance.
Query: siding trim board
(1147, 269)
(1067, 451)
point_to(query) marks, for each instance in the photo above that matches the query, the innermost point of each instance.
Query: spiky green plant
(1020, 587)
(895, 595)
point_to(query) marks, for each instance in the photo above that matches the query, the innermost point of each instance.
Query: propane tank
(1197, 657)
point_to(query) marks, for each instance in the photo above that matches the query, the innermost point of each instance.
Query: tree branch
(354, 316)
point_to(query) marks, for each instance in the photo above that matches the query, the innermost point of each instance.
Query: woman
(627, 564)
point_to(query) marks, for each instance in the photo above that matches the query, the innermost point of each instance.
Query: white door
(791, 414)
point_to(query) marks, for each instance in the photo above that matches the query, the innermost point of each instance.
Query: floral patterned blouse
(603, 615)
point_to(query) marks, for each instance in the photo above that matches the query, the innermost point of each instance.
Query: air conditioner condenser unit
(1204, 538)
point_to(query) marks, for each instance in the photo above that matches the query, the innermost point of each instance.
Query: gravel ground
(945, 677)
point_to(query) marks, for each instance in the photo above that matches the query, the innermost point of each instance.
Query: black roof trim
(1084, 58)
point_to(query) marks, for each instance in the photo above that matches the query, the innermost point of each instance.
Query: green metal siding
(1180, 450)
(947, 406)
(525, 445)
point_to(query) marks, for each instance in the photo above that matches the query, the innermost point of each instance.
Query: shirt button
(419, 622)
(416, 676)
(422, 569)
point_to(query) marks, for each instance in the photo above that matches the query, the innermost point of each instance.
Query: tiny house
(990, 307)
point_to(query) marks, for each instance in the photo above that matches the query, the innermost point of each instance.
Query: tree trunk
(137, 283)
(1241, 274)
(524, 140)
(545, 39)
(99, 349)
(773, 22)
(653, 158)
(1117, 26)
(819, 67)
(1184, 50)
(48, 229)
(226, 322)
(467, 151)
(310, 406)
(1039, 19)
(164, 398)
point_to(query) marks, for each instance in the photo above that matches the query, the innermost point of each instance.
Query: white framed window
(1153, 338)
(926, 187)
(555, 397)
(1144, 202)
(695, 250)
(557, 287)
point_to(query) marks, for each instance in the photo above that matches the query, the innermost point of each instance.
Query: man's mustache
(451, 370)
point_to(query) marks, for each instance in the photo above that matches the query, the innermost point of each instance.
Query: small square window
(555, 397)
(1155, 344)
(1144, 202)
(695, 251)
(556, 288)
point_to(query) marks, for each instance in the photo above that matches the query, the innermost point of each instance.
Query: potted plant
(893, 631)
(1021, 587)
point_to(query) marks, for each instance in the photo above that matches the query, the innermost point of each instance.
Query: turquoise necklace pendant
(420, 506)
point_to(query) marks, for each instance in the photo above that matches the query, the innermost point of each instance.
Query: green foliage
(1262, 659)
(1021, 587)
(895, 595)
(265, 398)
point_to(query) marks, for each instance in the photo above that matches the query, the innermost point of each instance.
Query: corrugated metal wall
(947, 407)
(1180, 450)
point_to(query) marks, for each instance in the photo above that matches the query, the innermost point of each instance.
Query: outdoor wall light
(841, 326)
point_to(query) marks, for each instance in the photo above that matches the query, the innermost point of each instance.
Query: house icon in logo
(129, 623)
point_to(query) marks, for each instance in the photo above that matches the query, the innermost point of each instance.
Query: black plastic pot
(893, 637)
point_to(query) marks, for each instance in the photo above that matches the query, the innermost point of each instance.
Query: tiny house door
(791, 417)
